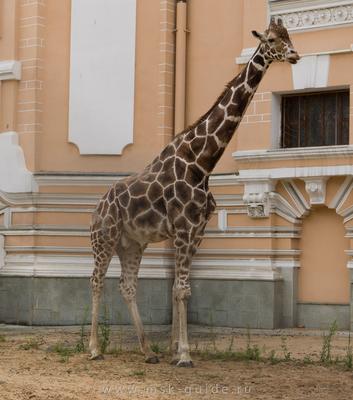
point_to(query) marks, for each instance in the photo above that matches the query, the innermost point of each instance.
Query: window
(315, 119)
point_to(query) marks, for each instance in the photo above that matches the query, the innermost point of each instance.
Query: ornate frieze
(312, 14)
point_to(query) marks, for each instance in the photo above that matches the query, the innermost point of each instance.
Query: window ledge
(305, 153)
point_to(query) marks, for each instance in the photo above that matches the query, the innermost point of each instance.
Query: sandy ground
(31, 367)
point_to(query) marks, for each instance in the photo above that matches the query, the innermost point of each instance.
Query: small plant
(348, 359)
(32, 343)
(272, 358)
(156, 348)
(231, 344)
(307, 360)
(325, 355)
(64, 351)
(105, 331)
(2, 339)
(252, 352)
(80, 346)
(286, 353)
(138, 373)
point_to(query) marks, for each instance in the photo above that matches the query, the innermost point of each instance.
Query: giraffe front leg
(183, 292)
(174, 343)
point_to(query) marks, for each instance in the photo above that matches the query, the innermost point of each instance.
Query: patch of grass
(105, 331)
(32, 343)
(252, 352)
(286, 353)
(64, 351)
(156, 348)
(138, 373)
(308, 360)
(2, 339)
(80, 345)
(273, 359)
(348, 359)
(325, 354)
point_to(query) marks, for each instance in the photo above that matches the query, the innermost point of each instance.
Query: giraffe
(171, 199)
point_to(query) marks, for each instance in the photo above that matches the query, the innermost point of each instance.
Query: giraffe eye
(271, 40)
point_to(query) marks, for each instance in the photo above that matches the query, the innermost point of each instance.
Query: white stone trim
(296, 195)
(10, 69)
(300, 153)
(2, 252)
(316, 189)
(222, 220)
(82, 266)
(304, 15)
(14, 176)
(295, 172)
(342, 194)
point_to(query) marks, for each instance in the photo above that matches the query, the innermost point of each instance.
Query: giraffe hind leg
(130, 257)
(103, 243)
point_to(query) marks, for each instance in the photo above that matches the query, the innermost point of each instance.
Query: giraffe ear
(259, 36)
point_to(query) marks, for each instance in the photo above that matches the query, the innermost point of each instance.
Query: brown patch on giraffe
(149, 218)
(215, 119)
(167, 176)
(113, 211)
(124, 198)
(183, 191)
(167, 152)
(155, 191)
(227, 131)
(157, 166)
(174, 209)
(259, 60)
(169, 192)
(254, 76)
(185, 152)
(138, 188)
(180, 168)
(227, 97)
(232, 110)
(138, 205)
(197, 144)
(201, 129)
(192, 212)
(160, 206)
(194, 175)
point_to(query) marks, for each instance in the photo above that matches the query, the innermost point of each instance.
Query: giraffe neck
(210, 135)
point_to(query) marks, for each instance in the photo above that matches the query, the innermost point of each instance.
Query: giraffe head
(276, 43)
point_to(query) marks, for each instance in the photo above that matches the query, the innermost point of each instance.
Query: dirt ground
(42, 364)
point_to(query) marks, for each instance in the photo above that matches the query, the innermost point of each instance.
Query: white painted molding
(222, 220)
(162, 267)
(301, 15)
(2, 252)
(311, 72)
(294, 172)
(302, 153)
(102, 75)
(10, 69)
(342, 194)
(256, 197)
(14, 176)
(316, 189)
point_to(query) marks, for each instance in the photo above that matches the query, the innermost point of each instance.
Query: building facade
(91, 91)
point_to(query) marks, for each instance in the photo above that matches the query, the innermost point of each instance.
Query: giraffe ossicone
(170, 198)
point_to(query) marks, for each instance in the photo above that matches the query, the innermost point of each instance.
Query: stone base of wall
(67, 301)
(321, 316)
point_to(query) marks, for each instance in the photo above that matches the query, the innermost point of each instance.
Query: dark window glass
(315, 119)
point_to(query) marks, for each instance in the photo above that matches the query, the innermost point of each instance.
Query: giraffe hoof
(152, 360)
(96, 357)
(174, 361)
(185, 363)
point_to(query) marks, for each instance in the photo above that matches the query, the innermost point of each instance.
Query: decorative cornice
(302, 153)
(10, 69)
(313, 14)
